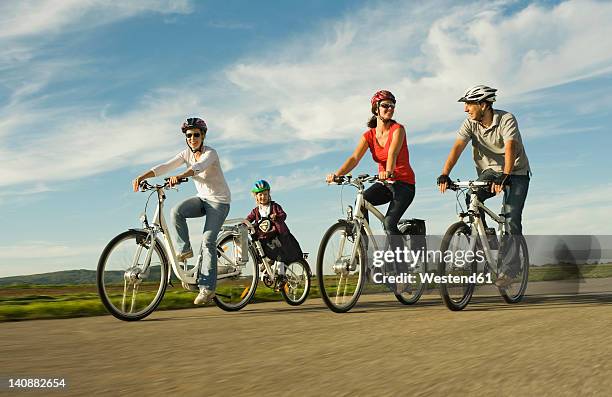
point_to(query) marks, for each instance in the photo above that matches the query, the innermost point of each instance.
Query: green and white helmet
(479, 93)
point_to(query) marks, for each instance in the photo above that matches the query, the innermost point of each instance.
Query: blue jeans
(514, 201)
(215, 213)
(514, 198)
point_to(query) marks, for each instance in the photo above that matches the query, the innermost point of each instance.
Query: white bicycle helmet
(479, 93)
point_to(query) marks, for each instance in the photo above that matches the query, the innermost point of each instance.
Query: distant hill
(69, 277)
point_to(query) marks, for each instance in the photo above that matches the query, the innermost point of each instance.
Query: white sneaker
(204, 296)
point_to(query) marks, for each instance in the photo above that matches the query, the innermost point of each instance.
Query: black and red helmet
(381, 96)
(194, 122)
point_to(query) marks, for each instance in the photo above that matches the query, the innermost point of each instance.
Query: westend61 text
(412, 257)
(475, 278)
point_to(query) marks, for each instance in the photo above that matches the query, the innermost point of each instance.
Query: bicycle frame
(188, 276)
(361, 221)
(476, 223)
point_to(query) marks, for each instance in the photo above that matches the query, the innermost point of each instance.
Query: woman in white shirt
(212, 200)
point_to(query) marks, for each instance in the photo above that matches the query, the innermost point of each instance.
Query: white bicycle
(468, 236)
(134, 268)
(342, 257)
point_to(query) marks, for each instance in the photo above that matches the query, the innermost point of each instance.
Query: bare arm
(509, 156)
(394, 148)
(451, 160)
(352, 161)
(146, 175)
(509, 159)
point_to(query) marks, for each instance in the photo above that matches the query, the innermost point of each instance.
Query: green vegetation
(30, 302)
(21, 302)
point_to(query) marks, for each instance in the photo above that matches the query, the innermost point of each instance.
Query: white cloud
(36, 17)
(311, 92)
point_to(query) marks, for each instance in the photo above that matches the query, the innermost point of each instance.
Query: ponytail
(372, 122)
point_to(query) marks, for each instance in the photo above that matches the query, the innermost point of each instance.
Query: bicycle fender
(348, 225)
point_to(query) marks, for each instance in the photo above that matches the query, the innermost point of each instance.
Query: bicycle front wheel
(236, 280)
(132, 277)
(297, 285)
(455, 243)
(515, 292)
(340, 279)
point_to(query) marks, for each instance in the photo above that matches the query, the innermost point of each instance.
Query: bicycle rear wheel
(131, 278)
(515, 292)
(297, 285)
(236, 281)
(414, 290)
(455, 243)
(340, 281)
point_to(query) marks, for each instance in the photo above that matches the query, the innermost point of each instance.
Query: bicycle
(294, 285)
(133, 270)
(342, 255)
(468, 235)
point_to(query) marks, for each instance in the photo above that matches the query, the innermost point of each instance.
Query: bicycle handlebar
(456, 185)
(144, 185)
(349, 180)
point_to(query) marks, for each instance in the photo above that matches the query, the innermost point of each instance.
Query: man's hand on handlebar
(498, 184)
(444, 182)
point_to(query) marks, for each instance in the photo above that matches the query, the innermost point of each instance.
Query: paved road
(548, 345)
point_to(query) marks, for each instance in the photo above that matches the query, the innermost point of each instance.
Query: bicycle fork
(343, 267)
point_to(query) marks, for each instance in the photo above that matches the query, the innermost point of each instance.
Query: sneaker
(204, 296)
(184, 256)
(281, 280)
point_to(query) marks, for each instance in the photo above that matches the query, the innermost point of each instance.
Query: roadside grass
(28, 302)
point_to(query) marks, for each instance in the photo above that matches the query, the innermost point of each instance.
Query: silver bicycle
(236, 241)
(134, 268)
(498, 248)
(342, 258)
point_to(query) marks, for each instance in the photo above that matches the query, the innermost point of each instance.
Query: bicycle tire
(241, 287)
(412, 296)
(467, 290)
(515, 296)
(108, 279)
(343, 271)
(287, 291)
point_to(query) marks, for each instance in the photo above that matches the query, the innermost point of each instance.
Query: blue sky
(92, 94)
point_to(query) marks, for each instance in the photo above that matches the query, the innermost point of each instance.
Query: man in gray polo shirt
(498, 152)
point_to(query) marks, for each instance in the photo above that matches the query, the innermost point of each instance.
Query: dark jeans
(514, 201)
(398, 194)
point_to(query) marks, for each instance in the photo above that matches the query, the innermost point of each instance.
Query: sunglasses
(195, 135)
(387, 105)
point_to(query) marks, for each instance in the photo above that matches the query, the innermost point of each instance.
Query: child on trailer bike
(212, 201)
(268, 217)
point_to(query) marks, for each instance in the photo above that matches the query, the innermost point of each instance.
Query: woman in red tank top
(386, 140)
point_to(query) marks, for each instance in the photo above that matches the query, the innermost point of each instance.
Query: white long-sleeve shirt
(208, 176)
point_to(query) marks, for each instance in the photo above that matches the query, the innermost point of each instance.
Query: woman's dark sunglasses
(195, 135)
(387, 105)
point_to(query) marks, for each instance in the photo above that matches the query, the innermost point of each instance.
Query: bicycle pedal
(190, 287)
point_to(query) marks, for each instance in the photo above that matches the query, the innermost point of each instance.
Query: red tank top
(403, 171)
